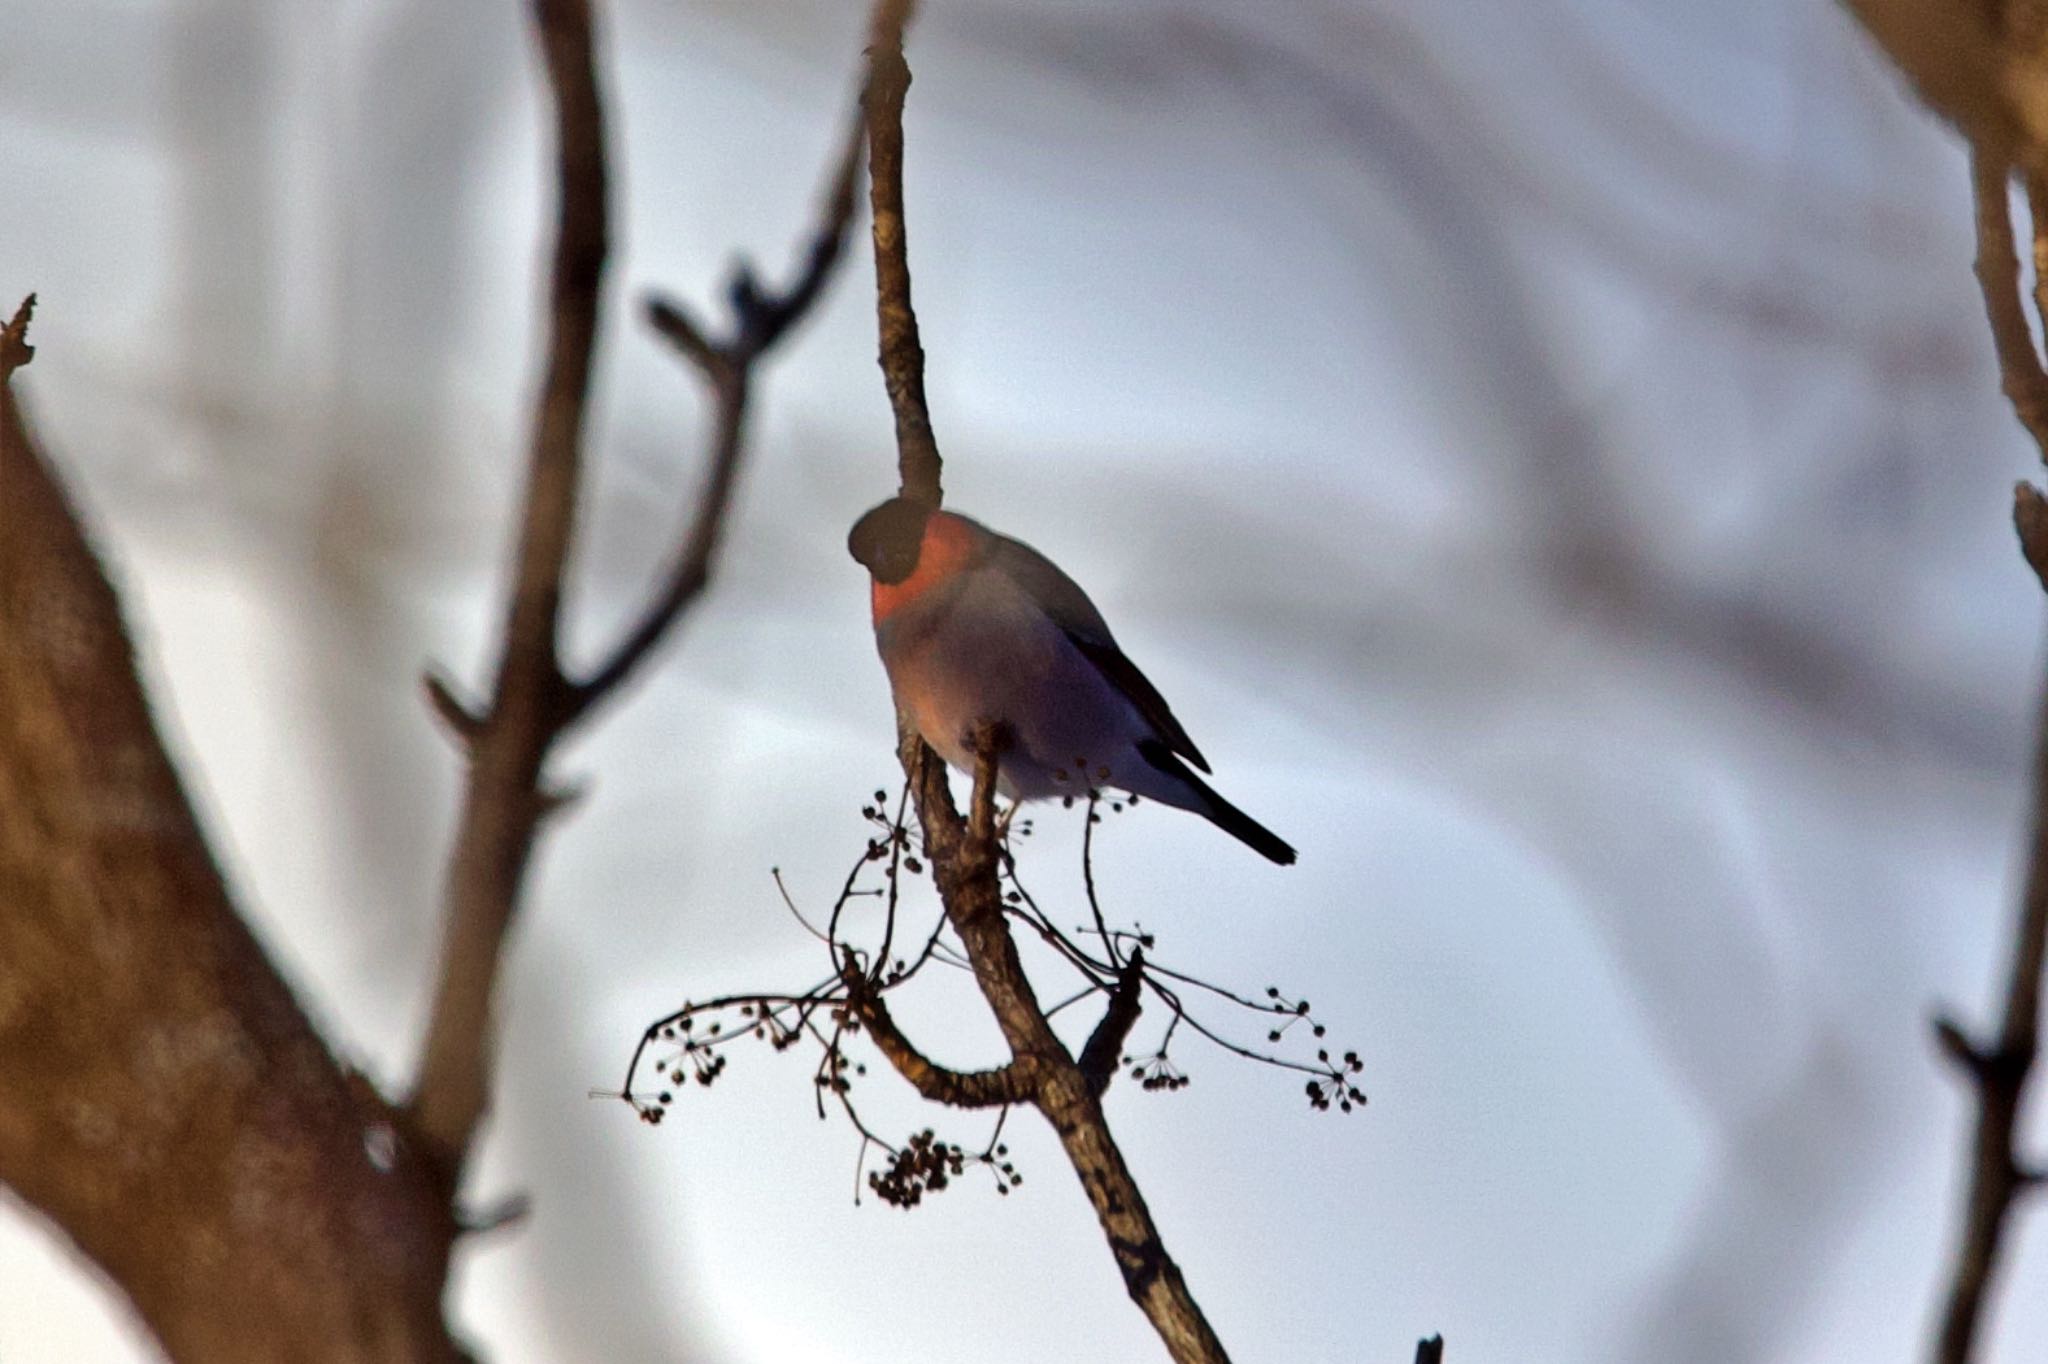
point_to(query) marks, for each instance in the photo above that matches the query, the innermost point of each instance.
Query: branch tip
(15, 351)
(464, 723)
(1956, 1045)
(2030, 519)
(558, 797)
(673, 321)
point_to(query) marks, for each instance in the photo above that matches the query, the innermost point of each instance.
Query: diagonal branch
(533, 704)
(760, 320)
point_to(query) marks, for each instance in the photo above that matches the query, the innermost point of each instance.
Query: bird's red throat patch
(947, 546)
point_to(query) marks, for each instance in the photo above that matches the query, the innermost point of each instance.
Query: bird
(975, 628)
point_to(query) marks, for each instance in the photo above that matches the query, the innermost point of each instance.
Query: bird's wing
(1063, 600)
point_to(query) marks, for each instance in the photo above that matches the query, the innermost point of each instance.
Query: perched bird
(977, 628)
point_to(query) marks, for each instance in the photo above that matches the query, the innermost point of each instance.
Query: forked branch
(504, 801)
(760, 320)
(533, 702)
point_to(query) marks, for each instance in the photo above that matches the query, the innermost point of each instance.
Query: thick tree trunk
(163, 1100)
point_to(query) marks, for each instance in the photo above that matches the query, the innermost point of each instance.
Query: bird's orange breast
(947, 546)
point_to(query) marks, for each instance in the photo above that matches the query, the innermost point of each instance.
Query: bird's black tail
(1219, 811)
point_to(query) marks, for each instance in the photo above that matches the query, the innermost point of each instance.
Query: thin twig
(1999, 1070)
(760, 320)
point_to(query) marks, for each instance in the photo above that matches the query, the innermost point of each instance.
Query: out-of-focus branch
(1953, 55)
(760, 320)
(1430, 1351)
(504, 801)
(15, 351)
(1999, 1070)
(2030, 519)
(163, 1099)
(533, 702)
(1998, 278)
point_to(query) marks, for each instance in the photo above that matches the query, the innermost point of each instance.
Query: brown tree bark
(163, 1100)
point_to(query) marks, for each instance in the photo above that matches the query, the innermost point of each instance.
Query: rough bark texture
(163, 1100)
(902, 354)
(963, 854)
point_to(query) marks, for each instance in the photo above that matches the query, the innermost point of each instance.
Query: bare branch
(1430, 1351)
(166, 1101)
(1106, 1044)
(673, 322)
(965, 865)
(902, 355)
(760, 320)
(1951, 55)
(1011, 1084)
(504, 803)
(464, 723)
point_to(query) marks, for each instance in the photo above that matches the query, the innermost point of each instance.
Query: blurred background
(1549, 453)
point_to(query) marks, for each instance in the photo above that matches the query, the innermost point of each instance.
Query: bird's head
(887, 541)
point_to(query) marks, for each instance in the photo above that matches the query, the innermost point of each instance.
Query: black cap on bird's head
(887, 539)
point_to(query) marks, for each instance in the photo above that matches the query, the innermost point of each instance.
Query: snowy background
(1549, 454)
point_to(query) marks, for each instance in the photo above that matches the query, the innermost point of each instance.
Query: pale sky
(1548, 455)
